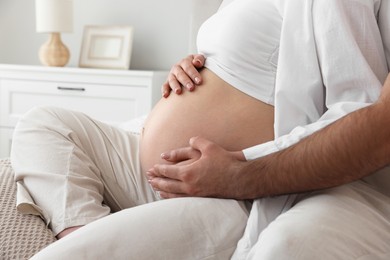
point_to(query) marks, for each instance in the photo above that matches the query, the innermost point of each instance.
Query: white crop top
(241, 44)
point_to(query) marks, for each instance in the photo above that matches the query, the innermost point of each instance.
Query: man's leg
(347, 222)
(184, 228)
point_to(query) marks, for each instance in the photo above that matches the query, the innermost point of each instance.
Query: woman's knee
(39, 126)
(187, 228)
(42, 112)
(36, 118)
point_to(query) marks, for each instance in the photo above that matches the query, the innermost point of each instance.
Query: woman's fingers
(184, 74)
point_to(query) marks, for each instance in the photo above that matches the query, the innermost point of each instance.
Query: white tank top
(241, 44)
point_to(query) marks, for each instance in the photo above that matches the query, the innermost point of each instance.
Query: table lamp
(54, 17)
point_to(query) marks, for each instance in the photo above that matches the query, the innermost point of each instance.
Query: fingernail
(198, 61)
(177, 91)
(197, 80)
(164, 156)
(165, 94)
(190, 86)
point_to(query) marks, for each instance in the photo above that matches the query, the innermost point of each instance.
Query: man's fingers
(163, 171)
(201, 144)
(181, 154)
(167, 185)
(166, 195)
(168, 188)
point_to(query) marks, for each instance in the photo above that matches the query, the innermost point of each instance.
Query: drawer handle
(71, 89)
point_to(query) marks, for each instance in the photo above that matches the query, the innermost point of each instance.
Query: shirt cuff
(260, 150)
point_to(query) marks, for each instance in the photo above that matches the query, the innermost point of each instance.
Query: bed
(21, 236)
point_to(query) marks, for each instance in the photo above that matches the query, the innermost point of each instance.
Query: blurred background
(165, 30)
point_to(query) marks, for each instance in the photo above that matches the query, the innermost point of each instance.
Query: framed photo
(107, 47)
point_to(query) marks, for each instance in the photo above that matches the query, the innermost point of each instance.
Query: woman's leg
(185, 229)
(347, 222)
(76, 169)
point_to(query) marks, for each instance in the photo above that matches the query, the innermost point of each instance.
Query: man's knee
(330, 224)
(289, 239)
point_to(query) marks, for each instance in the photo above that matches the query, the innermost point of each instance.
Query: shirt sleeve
(352, 68)
(384, 27)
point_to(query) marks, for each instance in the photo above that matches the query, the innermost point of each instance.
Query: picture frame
(106, 47)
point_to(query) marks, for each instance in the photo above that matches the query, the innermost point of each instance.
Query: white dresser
(112, 96)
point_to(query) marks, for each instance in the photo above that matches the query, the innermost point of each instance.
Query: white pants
(73, 170)
(55, 149)
(343, 223)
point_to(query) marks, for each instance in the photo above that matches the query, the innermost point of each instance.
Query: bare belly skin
(215, 110)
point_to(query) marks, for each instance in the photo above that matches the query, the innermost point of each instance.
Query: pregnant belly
(215, 110)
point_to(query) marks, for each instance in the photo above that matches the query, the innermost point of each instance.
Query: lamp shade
(54, 16)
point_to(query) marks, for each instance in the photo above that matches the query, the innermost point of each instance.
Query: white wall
(162, 29)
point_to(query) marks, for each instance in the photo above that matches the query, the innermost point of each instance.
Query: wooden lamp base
(54, 52)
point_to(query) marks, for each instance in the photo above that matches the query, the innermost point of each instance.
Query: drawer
(113, 104)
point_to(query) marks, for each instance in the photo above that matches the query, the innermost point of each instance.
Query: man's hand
(203, 170)
(184, 73)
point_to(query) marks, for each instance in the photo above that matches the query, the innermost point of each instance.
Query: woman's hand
(184, 74)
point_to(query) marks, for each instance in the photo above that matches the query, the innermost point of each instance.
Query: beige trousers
(73, 170)
(349, 222)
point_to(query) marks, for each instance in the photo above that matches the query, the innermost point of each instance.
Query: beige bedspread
(21, 236)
